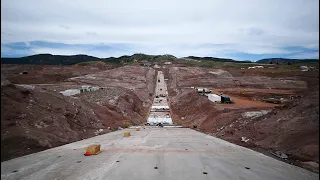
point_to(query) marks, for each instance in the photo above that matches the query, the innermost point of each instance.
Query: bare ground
(291, 127)
(38, 117)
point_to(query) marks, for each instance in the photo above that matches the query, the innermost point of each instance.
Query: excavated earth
(291, 127)
(35, 116)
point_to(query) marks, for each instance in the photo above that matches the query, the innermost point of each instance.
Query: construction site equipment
(203, 90)
(92, 150)
(160, 125)
(220, 99)
(126, 134)
(214, 97)
(203, 94)
(226, 100)
(271, 100)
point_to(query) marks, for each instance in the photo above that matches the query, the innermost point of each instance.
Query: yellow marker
(93, 149)
(126, 134)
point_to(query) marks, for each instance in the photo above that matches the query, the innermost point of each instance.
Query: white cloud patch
(179, 27)
(27, 44)
(311, 55)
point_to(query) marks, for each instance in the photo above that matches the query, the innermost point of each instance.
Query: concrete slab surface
(152, 153)
(160, 108)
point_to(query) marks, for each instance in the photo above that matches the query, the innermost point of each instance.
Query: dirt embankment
(41, 74)
(292, 129)
(33, 121)
(39, 118)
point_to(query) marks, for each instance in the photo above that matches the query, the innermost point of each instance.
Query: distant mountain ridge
(285, 61)
(49, 59)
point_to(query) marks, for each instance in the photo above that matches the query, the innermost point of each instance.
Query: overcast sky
(243, 30)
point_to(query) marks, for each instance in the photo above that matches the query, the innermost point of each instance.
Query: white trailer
(214, 97)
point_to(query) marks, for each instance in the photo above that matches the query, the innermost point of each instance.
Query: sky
(241, 30)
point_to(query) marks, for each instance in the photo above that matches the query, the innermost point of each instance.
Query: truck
(226, 100)
(203, 90)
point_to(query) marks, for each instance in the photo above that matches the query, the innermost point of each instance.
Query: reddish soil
(40, 118)
(41, 74)
(291, 127)
(250, 90)
(33, 121)
(243, 102)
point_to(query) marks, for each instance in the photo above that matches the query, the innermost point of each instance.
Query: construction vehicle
(271, 100)
(160, 125)
(226, 100)
(220, 99)
(203, 90)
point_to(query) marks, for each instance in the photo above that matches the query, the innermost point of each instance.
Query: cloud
(181, 28)
(313, 55)
(91, 33)
(6, 34)
(252, 31)
(64, 26)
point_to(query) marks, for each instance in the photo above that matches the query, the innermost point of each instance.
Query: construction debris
(306, 68)
(280, 154)
(253, 67)
(272, 100)
(255, 114)
(219, 99)
(244, 139)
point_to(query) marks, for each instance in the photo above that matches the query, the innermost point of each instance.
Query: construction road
(152, 153)
(160, 108)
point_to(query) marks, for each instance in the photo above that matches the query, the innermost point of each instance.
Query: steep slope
(36, 120)
(292, 128)
(37, 117)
